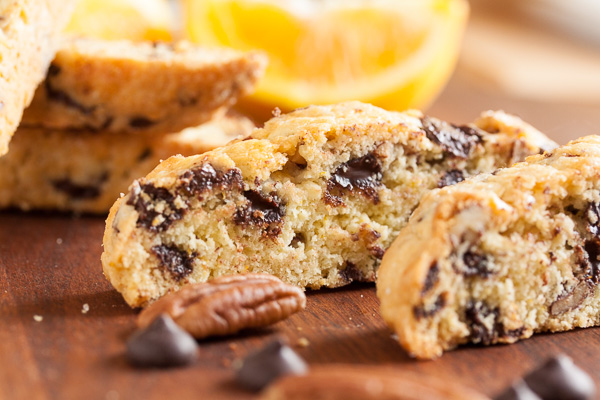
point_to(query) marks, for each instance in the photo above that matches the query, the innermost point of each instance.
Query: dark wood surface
(50, 267)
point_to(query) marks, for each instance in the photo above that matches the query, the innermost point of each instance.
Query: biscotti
(127, 87)
(314, 198)
(499, 257)
(29, 41)
(85, 171)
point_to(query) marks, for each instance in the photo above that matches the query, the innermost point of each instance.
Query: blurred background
(539, 59)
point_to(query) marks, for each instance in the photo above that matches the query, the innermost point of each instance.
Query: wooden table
(50, 269)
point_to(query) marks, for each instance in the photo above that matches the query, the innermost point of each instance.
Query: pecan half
(228, 304)
(345, 382)
(572, 300)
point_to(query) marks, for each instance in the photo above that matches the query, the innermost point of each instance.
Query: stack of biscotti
(109, 111)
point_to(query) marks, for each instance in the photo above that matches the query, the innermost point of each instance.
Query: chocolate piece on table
(518, 391)
(560, 378)
(162, 344)
(264, 366)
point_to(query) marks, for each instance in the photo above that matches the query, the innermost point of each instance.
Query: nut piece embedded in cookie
(348, 382)
(228, 304)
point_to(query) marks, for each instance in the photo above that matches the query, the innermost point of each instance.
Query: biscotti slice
(499, 257)
(128, 87)
(86, 171)
(314, 198)
(28, 42)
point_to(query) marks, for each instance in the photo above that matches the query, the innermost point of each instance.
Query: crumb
(38, 318)
(233, 346)
(350, 318)
(362, 295)
(303, 342)
(237, 363)
(85, 308)
(276, 112)
(299, 328)
(59, 241)
(121, 194)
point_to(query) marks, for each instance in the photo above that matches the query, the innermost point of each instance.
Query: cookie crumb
(233, 346)
(303, 342)
(276, 112)
(38, 318)
(121, 194)
(59, 241)
(85, 308)
(298, 328)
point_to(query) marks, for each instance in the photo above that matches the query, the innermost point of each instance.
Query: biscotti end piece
(140, 88)
(28, 43)
(499, 257)
(84, 172)
(314, 198)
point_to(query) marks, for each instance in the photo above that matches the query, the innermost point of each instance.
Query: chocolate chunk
(376, 251)
(518, 391)
(361, 174)
(559, 379)
(351, 273)
(264, 366)
(477, 318)
(161, 344)
(77, 191)
(140, 122)
(451, 177)
(425, 312)
(431, 278)
(60, 96)
(204, 179)
(592, 248)
(458, 141)
(592, 215)
(475, 264)
(178, 262)
(146, 198)
(264, 211)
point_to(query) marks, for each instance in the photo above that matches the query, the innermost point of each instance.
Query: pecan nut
(346, 382)
(228, 304)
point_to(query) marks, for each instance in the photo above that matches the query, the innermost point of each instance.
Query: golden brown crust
(29, 40)
(150, 88)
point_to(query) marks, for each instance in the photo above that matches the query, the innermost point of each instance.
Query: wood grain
(72, 355)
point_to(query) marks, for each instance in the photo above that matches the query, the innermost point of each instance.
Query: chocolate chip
(593, 217)
(518, 391)
(204, 179)
(178, 262)
(351, 273)
(161, 344)
(482, 329)
(264, 366)
(361, 174)
(592, 248)
(425, 312)
(560, 378)
(140, 122)
(475, 264)
(264, 211)
(77, 191)
(60, 96)
(451, 177)
(145, 199)
(458, 141)
(431, 278)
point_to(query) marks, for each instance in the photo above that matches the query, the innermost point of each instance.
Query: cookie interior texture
(500, 256)
(85, 171)
(315, 198)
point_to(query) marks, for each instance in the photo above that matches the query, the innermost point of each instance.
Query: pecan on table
(228, 304)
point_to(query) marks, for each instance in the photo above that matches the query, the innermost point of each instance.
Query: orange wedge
(123, 19)
(393, 53)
